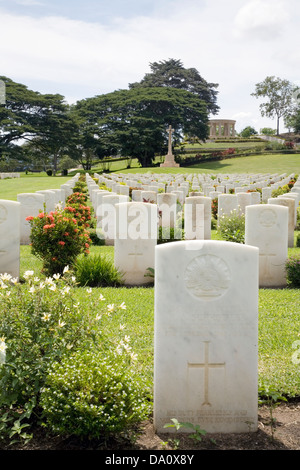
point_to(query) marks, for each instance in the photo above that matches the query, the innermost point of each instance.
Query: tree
(248, 131)
(134, 122)
(41, 120)
(171, 73)
(280, 97)
(268, 131)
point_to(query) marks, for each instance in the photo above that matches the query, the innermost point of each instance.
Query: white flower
(89, 290)
(53, 287)
(122, 327)
(65, 290)
(42, 285)
(122, 306)
(6, 277)
(14, 280)
(56, 276)
(28, 274)
(127, 339)
(49, 281)
(133, 356)
(111, 307)
(73, 279)
(66, 269)
(32, 290)
(36, 279)
(98, 317)
(61, 324)
(101, 297)
(46, 316)
(2, 346)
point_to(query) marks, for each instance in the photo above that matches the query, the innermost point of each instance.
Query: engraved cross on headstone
(206, 365)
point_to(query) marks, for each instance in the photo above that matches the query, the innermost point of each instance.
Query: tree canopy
(172, 74)
(29, 116)
(279, 93)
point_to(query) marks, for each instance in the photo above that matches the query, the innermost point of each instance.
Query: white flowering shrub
(41, 324)
(232, 227)
(94, 394)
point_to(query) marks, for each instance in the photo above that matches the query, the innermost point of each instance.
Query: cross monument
(169, 159)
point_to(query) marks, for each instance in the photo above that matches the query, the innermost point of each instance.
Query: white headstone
(30, 205)
(167, 209)
(10, 238)
(106, 217)
(205, 348)
(194, 218)
(49, 199)
(266, 227)
(290, 204)
(136, 238)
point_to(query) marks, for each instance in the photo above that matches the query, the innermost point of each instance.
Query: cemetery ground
(279, 328)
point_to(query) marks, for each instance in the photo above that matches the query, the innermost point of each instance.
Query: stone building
(221, 128)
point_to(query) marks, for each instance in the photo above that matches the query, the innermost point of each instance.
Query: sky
(84, 48)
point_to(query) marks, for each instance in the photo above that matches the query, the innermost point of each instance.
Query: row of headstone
(15, 230)
(197, 225)
(207, 185)
(9, 175)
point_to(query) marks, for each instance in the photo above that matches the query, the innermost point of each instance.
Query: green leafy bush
(94, 393)
(96, 271)
(41, 324)
(232, 227)
(292, 267)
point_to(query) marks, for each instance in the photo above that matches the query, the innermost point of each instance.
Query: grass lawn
(9, 188)
(271, 163)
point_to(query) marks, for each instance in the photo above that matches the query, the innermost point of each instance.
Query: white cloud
(80, 59)
(262, 19)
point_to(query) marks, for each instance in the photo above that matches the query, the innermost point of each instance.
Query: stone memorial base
(170, 164)
(169, 161)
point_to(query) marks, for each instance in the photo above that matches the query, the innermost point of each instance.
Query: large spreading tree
(43, 121)
(279, 93)
(133, 122)
(172, 74)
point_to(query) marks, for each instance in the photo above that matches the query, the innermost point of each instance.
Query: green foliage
(232, 227)
(268, 131)
(133, 122)
(95, 393)
(248, 131)
(169, 234)
(279, 94)
(44, 332)
(96, 271)
(172, 74)
(292, 267)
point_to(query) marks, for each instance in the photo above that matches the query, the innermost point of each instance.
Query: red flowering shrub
(81, 213)
(214, 207)
(76, 198)
(57, 239)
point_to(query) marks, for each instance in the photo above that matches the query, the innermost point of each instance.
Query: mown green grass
(271, 163)
(10, 188)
